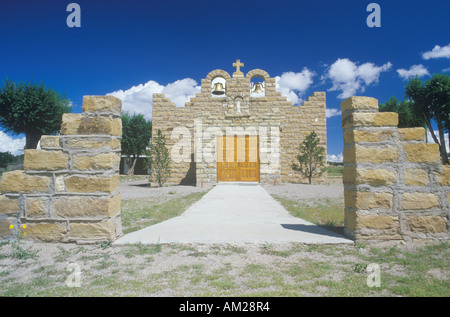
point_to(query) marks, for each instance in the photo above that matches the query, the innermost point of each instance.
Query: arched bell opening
(257, 87)
(218, 87)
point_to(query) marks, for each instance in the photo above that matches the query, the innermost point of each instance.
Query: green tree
(311, 158)
(32, 109)
(159, 159)
(432, 102)
(407, 118)
(6, 157)
(136, 134)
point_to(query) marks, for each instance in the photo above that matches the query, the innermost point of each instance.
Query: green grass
(137, 214)
(335, 171)
(324, 212)
(300, 270)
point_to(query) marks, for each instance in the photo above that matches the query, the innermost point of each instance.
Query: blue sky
(134, 48)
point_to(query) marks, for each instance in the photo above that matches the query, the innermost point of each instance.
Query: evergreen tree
(159, 159)
(311, 158)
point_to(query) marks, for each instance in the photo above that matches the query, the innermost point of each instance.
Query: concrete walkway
(234, 213)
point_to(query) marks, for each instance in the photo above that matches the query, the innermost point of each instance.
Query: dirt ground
(44, 269)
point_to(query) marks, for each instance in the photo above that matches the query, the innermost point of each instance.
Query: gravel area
(139, 189)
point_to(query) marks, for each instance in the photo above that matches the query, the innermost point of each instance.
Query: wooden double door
(238, 158)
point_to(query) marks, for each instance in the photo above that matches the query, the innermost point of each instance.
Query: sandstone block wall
(68, 190)
(280, 125)
(395, 187)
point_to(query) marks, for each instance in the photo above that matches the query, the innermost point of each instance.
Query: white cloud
(293, 85)
(335, 158)
(414, 70)
(332, 112)
(348, 77)
(8, 143)
(437, 52)
(139, 99)
(446, 70)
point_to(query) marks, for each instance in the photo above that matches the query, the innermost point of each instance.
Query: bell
(257, 88)
(218, 89)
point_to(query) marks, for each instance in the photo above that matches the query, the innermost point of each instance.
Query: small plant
(159, 159)
(105, 244)
(360, 268)
(17, 250)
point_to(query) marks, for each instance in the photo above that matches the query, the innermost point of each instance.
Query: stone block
(42, 160)
(79, 124)
(20, 182)
(359, 103)
(378, 222)
(93, 143)
(411, 134)
(96, 162)
(362, 154)
(50, 141)
(419, 201)
(92, 231)
(443, 178)
(9, 205)
(90, 184)
(5, 230)
(368, 119)
(48, 232)
(422, 152)
(415, 177)
(37, 207)
(427, 224)
(102, 104)
(373, 177)
(351, 136)
(367, 200)
(86, 206)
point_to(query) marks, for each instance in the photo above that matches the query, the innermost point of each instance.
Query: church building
(237, 129)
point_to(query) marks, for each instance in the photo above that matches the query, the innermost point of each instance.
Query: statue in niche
(237, 106)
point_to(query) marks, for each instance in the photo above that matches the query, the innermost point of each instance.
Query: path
(234, 213)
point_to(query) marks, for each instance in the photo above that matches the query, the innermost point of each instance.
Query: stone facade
(192, 131)
(68, 190)
(395, 187)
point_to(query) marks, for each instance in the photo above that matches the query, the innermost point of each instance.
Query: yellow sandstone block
(367, 200)
(73, 124)
(361, 154)
(97, 162)
(415, 177)
(80, 184)
(370, 119)
(50, 141)
(102, 104)
(69, 207)
(99, 231)
(444, 177)
(41, 160)
(417, 201)
(408, 134)
(422, 152)
(351, 136)
(49, 232)
(377, 222)
(20, 182)
(8, 205)
(360, 103)
(427, 224)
